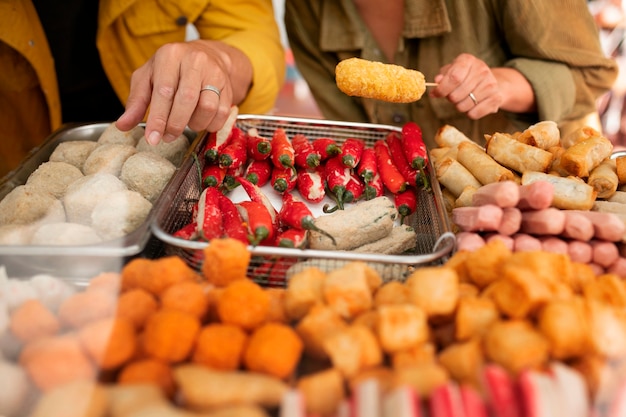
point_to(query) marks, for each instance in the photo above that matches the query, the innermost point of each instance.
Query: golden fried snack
(81, 398)
(423, 378)
(188, 296)
(229, 261)
(320, 322)
(463, 361)
(277, 311)
(55, 361)
(354, 349)
(582, 157)
(32, 320)
(434, 289)
(323, 391)
(348, 289)
(392, 292)
(243, 303)
(303, 292)
(136, 305)
(273, 349)
(604, 179)
(482, 165)
(148, 371)
(109, 342)
(518, 156)
(84, 307)
(620, 168)
(170, 335)
(220, 346)
(473, 316)
(417, 355)
(401, 326)
(564, 324)
(386, 82)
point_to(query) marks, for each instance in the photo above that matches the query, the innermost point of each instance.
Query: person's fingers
(212, 109)
(138, 98)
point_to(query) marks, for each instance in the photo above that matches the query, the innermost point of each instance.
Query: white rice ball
(85, 193)
(65, 234)
(120, 214)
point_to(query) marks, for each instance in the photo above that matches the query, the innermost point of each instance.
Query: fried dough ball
(240, 293)
(112, 134)
(229, 260)
(51, 291)
(109, 342)
(170, 335)
(85, 193)
(277, 305)
(156, 275)
(84, 307)
(273, 349)
(25, 205)
(55, 361)
(147, 173)
(188, 296)
(220, 346)
(172, 151)
(79, 398)
(136, 305)
(32, 320)
(53, 177)
(120, 214)
(74, 152)
(60, 234)
(150, 371)
(106, 281)
(108, 158)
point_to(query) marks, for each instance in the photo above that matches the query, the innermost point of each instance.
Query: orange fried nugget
(84, 307)
(225, 260)
(277, 311)
(188, 296)
(109, 342)
(135, 272)
(32, 320)
(170, 335)
(155, 275)
(136, 305)
(55, 361)
(274, 349)
(243, 303)
(151, 371)
(220, 346)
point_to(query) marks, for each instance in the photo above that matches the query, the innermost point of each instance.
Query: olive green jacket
(129, 33)
(554, 44)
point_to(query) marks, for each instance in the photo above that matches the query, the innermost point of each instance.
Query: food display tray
(74, 262)
(435, 241)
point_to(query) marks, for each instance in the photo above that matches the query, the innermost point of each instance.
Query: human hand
(470, 85)
(171, 84)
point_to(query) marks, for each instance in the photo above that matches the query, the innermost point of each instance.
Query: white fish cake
(120, 214)
(85, 193)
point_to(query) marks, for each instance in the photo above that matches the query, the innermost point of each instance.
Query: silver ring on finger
(211, 88)
(473, 98)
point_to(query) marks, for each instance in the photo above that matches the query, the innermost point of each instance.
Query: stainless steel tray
(73, 261)
(434, 237)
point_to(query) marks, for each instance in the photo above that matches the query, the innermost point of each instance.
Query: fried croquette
(32, 320)
(170, 335)
(155, 275)
(188, 296)
(220, 346)
(136, 305)
(57, 360)
(109, 342)
(273, 349)
(229, 260)
(151, 371)
(240, 293)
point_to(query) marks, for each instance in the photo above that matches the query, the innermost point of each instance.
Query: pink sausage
(618, 267)
(502, 194)
(550, 221)
(597, 269)
(511, 221)
(477, 219)
(553, 244)
(580, 251)
(604, 253)
(577, 226)
(469, 241)
(523, 242)
(606, 226)
(535, 196)
(507, 240)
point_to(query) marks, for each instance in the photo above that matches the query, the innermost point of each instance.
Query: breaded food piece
(473, 316)
(386, 82)
(434, 289)
(392, 292)
(565, 324)
(147, 173)
(484, 264)
(109, 342)
(76, 399)
(54, 361)
(347, 290)
(273, 349)
(319, 323)
(304, 290)
(148, 371)
(120, 214)
(108, 158)
(423, 377)
(417, 355)
(229, 261)
(136, 305)
(156, 275)
(243, 292)
(60, 234)
(172, 151)
(188, 296)
(401, 326)
(323, 391)
(16, 234)
(32, 320)
(220, 346)
(169, 335)
(277, 313)
(54, 177)
(85, 193)
(206, 389)
(464, 361)
(25, 205)
(15, 388)
(87, 306)
(73, 152)
(112, 134)
(353, 349)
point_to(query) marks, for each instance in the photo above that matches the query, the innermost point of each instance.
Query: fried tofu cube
(423, 378)
(463, 361)
(321, 322)
(434, 289)
(401, 326)
(303, 292)
(606, 288)
(473, 316)
(483, 265)
(353, 349)
(323, 391)
(565, 325)
(392, 292)
(417, 355)
(348, 290)
(608, 330)
(519, 298)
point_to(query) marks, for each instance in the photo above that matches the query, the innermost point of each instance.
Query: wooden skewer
(431, 84)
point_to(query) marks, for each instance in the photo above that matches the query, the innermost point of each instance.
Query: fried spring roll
(542, 135)
(450, 136)
(516, 155)
(454, 176)
(620, 167)
(604, 178)
(582, 133)
(580, 158)
(386, 82)
(482, 165)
